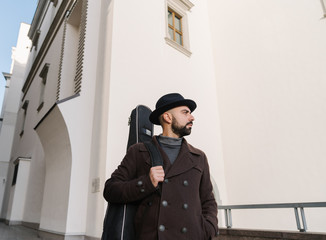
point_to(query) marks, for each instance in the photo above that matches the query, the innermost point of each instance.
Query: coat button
(140, 183)
(166, 180)
(164, 203)
(185, 206)
(184, 230)
(142, 190)
(149, 203)
(161, 228)
(185, 183)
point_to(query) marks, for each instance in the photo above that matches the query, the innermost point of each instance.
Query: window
(177, 25)
(43, 75)
(24, 107)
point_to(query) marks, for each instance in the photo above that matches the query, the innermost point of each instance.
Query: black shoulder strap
(154, 153)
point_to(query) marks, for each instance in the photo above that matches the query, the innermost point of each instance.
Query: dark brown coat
(183, 207)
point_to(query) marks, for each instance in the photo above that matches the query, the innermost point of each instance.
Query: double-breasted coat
(182, 207)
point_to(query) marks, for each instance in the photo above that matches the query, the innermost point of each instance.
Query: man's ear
(167, 117)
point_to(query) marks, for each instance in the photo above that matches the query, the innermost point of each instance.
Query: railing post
(303, 219)
(228, 218)
(297, 218)
(304, 223)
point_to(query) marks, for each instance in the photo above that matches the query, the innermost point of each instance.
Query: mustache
(189, 123)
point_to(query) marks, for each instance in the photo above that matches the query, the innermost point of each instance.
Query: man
(175, 200)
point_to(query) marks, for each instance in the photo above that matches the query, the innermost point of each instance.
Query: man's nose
(192, 118)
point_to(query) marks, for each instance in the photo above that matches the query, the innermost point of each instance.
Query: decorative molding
(178, 46)
(188, 4)
(81, 48)
(61, 59)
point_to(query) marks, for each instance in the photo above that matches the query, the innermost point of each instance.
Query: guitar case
(140, 128)
(119, 218)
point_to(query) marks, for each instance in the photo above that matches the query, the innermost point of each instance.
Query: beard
(181, 131)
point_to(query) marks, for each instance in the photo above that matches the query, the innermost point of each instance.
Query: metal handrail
(301, 227)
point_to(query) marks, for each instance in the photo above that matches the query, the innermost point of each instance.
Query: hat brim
(154, 116)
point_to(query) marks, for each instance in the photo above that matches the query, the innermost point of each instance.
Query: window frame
(181, 8)
(173, 27)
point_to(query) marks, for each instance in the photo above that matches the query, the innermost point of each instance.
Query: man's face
(182, 121)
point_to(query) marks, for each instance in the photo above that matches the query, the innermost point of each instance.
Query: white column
(16, 207)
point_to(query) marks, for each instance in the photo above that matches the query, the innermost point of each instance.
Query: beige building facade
(256, 70)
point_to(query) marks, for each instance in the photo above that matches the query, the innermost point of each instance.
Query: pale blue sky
(13, 12)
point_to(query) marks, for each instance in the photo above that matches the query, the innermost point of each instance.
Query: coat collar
(187, 158)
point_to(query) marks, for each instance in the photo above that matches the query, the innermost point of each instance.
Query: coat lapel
(184, 162)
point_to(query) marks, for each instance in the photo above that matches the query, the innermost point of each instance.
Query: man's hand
(156, 175)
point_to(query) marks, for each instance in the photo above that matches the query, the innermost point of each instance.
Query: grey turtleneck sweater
(171, 146)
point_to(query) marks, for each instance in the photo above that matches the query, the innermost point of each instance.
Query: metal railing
(301, 225)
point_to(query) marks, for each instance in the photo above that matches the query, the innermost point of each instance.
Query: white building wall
(270, 61)
(144, 67)
(97, 171)
(162, 69)
(11, 107)
(29, 145)
(124, 81)
(81, 110)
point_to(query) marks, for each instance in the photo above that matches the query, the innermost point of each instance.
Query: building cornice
(6, 75)
(36, 19)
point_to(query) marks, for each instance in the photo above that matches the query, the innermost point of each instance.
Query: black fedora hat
(168, 102)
